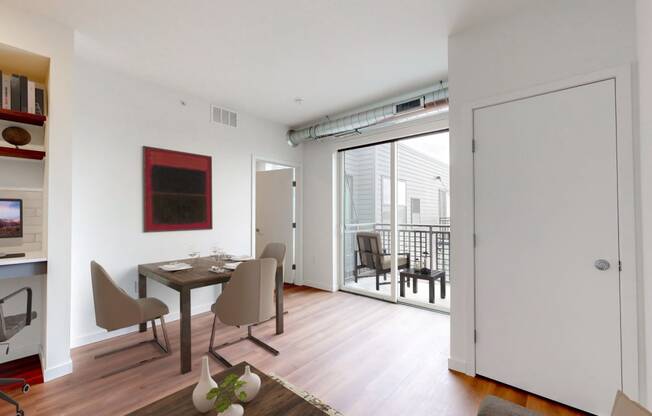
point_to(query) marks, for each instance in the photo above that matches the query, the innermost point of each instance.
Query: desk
(184, 281)
(11, 267)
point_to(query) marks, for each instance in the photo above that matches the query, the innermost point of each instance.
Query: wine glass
(214, 250)
(193, 253)
(221, 259)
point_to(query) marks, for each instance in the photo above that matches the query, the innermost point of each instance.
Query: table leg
(414, 285)
(402, 285)
(442, 288)
(186, 335)
(279, 301)
(431, 290)
(142, 293)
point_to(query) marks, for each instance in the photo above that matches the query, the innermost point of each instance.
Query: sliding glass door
(364, 171)
(424, 225)
(397, 190)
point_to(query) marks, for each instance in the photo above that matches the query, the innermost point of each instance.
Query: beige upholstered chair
(277, 251)
(372, 256)
(115, 309)
(274, 251)
(247, 299)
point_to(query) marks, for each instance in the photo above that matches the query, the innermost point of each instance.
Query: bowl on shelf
(17, 136)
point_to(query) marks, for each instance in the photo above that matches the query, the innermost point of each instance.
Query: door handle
(602, 264)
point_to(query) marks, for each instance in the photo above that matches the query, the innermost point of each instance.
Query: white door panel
(274, 213)
(547, 320)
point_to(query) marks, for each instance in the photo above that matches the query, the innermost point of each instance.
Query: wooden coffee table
(415, 275)
(272, 399)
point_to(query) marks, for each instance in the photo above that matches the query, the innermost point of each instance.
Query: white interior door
(274, 213)
(547, 320)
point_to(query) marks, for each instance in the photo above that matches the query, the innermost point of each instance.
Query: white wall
(644, 45)
(321, 203)
(552, 41)
(47, 38)
(115, 116)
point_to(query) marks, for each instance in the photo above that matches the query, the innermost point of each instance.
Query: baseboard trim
(57, 371)
(319, 285)
(457, 365)
(102, 335)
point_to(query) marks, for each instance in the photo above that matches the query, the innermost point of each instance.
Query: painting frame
(199, 165)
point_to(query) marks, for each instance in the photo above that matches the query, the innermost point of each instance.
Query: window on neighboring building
(349, 208)
(415, 211)
(386, 195)
(444, 207)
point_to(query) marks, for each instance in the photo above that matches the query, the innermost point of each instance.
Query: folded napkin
(232, 266)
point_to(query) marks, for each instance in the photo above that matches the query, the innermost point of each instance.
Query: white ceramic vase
(252, 384)
(206, 383)
(233, 410)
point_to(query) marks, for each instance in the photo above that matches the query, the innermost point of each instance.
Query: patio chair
(372, 256)
(10, 326)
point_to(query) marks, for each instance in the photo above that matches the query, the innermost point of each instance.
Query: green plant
(225, 393)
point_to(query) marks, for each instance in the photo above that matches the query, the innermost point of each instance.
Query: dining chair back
(247, 299)
(115, 309)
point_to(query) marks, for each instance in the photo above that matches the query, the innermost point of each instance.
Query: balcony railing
(428, 243)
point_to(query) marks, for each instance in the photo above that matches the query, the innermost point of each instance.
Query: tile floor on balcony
(369, 284)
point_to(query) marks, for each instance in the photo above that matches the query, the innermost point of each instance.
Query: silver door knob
(602, 264)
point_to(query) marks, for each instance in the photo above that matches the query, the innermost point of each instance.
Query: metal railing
(425, 242)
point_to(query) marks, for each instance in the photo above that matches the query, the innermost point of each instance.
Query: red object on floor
(28, 368)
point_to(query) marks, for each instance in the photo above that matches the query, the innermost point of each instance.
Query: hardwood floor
(362, 356)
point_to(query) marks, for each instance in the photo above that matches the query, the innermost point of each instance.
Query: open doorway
(275, 213)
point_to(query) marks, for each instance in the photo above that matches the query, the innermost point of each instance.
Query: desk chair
(115, 309)
(247, 299)
(10, 326)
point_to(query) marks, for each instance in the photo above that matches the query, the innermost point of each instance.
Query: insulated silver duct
(432, 102)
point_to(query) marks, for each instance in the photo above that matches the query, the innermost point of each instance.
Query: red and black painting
(177, 190)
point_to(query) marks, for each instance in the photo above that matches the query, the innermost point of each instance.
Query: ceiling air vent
(224, 116)
(408, 105)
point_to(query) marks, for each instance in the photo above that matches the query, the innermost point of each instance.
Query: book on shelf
(31, 97)
(15, 93)
(18, 93)
(23, 93)
(6, 92)
(39, 100)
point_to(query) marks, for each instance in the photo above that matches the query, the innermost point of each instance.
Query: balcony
(427, 244)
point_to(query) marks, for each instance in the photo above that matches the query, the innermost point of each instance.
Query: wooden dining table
(183, 281)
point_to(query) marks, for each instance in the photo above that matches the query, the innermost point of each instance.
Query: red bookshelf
(20, 117)
(22, 153)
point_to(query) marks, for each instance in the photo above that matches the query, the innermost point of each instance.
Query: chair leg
(212, 349)
(260, 342)
(377, 282)
(6, 381)
(167, 350)
(9, 400)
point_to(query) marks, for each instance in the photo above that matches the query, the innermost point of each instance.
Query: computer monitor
(11, 218)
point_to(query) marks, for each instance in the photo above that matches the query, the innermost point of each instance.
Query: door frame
(626, 223)
(395, 133)
(298, 211)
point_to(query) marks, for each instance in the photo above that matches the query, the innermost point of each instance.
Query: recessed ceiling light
(298, 100)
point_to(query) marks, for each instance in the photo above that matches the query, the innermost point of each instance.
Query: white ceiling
(257, 56)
